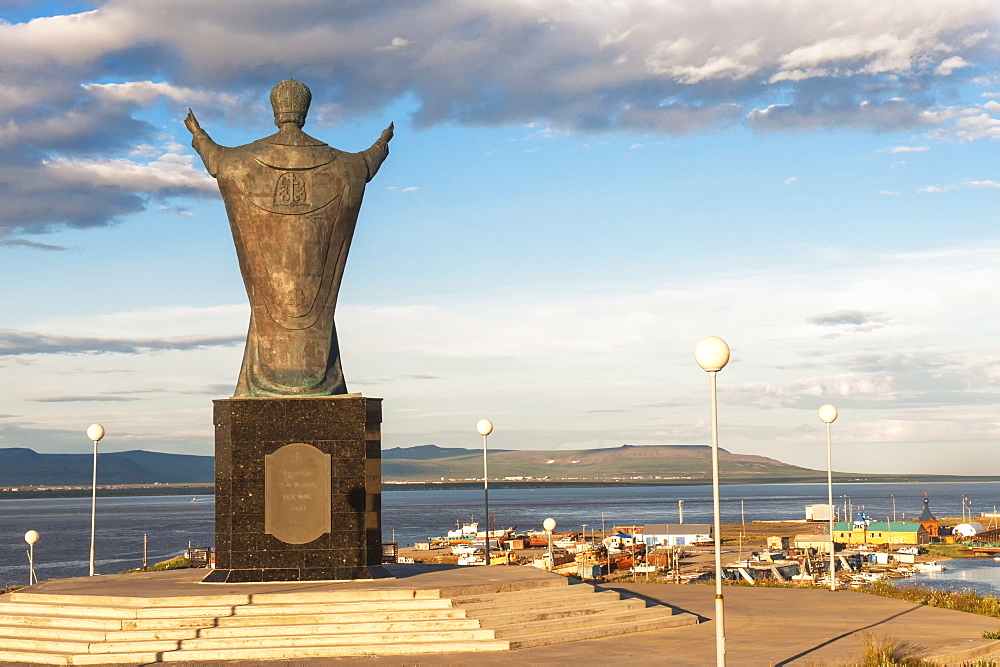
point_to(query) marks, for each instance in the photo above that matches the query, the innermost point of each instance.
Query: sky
(577, 192)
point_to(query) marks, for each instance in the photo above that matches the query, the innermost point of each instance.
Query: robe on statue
(292, 203)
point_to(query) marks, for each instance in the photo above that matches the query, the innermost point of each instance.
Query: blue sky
(577, 192)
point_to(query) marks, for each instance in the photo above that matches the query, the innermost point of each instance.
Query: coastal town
(795, 552)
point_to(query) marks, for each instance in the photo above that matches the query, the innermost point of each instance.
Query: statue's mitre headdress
(290, 100)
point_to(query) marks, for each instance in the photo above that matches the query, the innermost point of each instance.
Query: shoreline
(208, 488)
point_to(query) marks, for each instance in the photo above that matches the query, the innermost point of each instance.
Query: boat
(929, 566)
(467, 533)
(463, 534)
(499, 534)
(472, 559)
(996, 558)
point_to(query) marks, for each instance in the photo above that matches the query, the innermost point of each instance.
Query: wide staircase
(65, 629)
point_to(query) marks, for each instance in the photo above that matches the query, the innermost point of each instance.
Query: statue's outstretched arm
(386, 135)
(191, 123)
(378, 152)
(201, 142)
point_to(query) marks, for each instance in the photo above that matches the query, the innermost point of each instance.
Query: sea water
(170, 523)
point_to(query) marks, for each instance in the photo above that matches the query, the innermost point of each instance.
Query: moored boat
(463, 534)
(929, 566)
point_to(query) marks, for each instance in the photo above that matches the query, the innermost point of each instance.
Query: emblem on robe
(290, 190)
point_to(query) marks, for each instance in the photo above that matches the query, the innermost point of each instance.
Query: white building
(675, 534)
(822, 512)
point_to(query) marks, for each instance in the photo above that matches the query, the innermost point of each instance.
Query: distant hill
(23, 467)
(431, 463)
(657, 464)
(424, 452)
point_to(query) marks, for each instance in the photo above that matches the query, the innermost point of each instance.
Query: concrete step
(23, 596)
(530, 605)
(561, 592)
(306, 597)
(8, 609)
(77, 610)
(273, 609)
(362, 637)
(66, 622)
(250, 653)
(522, 617)
(256, 642)
(328, 628)
(29, 631)
(494, 588)
(72, 624)
(626, 617)
(256, 620)
(347, 596)
(35, 657)
(332, 629)
(598, 631)
(303, 652)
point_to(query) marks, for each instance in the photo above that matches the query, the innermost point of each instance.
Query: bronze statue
(292, 203)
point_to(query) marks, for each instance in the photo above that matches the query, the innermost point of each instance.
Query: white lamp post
(95, 432)
(485, 427)
(712, 354)
(549, 525)
(31, 537)
(827, 415)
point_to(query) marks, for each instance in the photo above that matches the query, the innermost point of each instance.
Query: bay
(171, 522)
(981, 575)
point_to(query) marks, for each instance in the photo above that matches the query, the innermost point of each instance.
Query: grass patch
(176, 563)
(962, 600)
(949, 551)
(881, 650)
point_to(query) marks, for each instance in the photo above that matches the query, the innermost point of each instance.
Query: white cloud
(949, 65)
(790, 181)
(394, 45)
(909, 149)
(169, 171)
(963, 185)
(147, 92)
(557, 363)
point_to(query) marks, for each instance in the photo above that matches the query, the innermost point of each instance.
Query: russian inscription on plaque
(297, 493)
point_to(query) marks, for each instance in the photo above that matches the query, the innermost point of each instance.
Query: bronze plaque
(297, 493)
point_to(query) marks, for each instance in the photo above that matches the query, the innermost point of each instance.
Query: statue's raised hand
(191, 123)
(387, 133)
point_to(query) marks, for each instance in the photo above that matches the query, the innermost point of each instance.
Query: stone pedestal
(297, 489)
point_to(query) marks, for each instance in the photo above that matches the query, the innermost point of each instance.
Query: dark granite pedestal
(297, 489)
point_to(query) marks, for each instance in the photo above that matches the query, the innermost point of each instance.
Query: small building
(780, 542)
(880, 532)
(819, 512)
(928, 521)
(675, 534)
(618, 541)
(818, 541)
